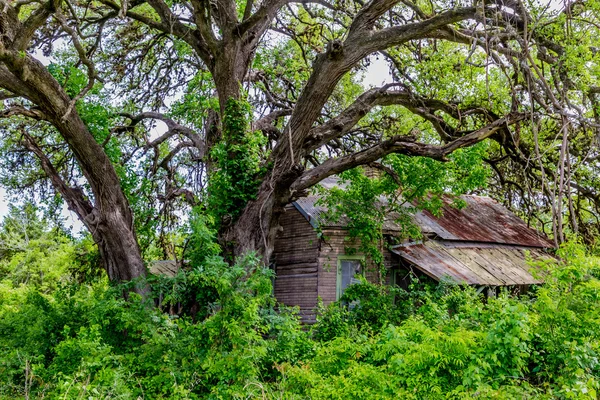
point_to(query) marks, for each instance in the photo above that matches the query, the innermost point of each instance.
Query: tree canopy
(263, 100)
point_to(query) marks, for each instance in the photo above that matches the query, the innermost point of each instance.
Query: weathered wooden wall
(333, 245)
(295, 257)
(306, 266)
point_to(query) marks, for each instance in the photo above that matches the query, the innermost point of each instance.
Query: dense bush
(85, 341)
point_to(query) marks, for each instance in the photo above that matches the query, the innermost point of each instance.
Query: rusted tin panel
(436, 264)
(486, 265)
(473, 263)
(482, 220)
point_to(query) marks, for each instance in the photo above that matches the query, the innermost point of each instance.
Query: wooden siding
(306, 266)
(334, 245)
(295, 256)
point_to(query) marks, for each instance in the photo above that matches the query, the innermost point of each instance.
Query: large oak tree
(523, 75)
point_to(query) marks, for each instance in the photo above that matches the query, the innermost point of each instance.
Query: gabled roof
(482, 220)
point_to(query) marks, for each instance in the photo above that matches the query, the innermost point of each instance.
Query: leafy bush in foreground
(84, 341)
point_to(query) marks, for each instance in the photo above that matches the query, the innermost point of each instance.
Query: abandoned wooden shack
(482, 244)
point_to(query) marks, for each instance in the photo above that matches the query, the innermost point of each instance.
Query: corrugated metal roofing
(482, 220)
(164, 267)
(472, 263)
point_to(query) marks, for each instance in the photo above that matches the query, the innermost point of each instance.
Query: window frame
(338, 279)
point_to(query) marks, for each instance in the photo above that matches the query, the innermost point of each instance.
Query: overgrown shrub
(85, 341)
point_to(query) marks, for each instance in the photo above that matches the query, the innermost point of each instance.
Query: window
(401, 278)
(348, 269)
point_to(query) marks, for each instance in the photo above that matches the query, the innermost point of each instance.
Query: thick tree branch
(347, 119)
(329, 67)
(401, 145)
(265, 124)
(368, 15)
(33, 23)
(26, 112)
(111, 218)
(164, 164)
(173, 129)
(5, 94)
(203, 23)
(73, 196)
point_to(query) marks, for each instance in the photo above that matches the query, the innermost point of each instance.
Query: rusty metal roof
(482, 220)
(472, 263)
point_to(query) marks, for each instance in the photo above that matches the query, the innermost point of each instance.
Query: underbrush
(82, 340)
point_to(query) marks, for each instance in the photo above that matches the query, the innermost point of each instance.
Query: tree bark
(110, 219)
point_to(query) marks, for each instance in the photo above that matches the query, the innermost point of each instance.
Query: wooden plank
(436, 264)
(299, 280)
(296, 271)
(296, 245)
(297, 231)
(282, 277)
(314, 264)
(493, 262)
(488, 274)
(295, 258)
(515, 260)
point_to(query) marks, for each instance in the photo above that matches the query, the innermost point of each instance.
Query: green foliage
(238, 160)
(446, 342)
(69, 76)
(365, 203)
(87, 341)
(429, 342)
(32, 253)
(202, 239)
(373, 306)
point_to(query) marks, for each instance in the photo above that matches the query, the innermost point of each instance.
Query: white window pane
(349, 269)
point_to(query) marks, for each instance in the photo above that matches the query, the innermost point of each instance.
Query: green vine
(364, 204)
(234, 180)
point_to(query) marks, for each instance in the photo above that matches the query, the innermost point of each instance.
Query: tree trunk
(109, 220)
(256, 228)
(119, 249)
